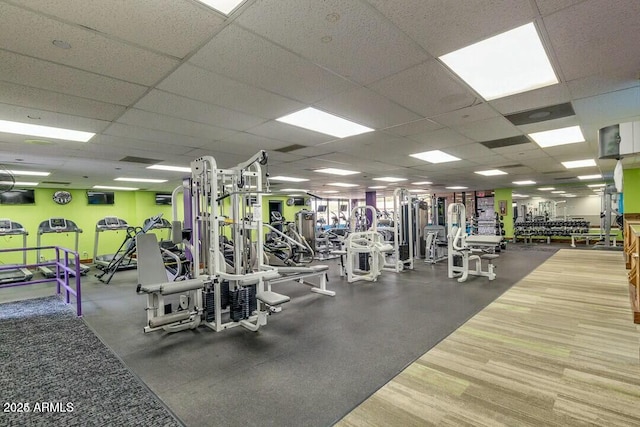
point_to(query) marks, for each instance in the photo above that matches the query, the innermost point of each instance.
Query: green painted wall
(504, 194)
(133, 207)
(631, 190)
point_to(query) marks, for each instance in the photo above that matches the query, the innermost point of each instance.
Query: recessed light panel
(389, 179)
(342, 184)
(506, 64)
(331, 191)
(28, 173)
(596, 185)
(422, 183)
(527, 182)
(377, 187)
(491, 172)
(587, 177)
(322, 122)
(223, 6)
(558, 192)
(563, 136)
(111, 187)
(546, 188)
(435, 156)
(169, 168)
(287, 179)
(44, 131)
(157, 181)
(335, 171)
(20, 183)
(579, 164)
(292, 190)
(456, 187)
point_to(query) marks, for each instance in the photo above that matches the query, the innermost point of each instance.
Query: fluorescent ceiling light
(110, 187)
(224, 6)
(330, 191)
(422, 183)
(563, 136)
(546, 188)
(287, 179)
(527, 182)
(292, 190)
(506, 64)
(520, 195)
(44, 131)
(596, 185)
(569, 195)
(558, 192)
(435, 156)
(170, 168)
(389, 179)
(20, 183)
(378, 187)
(141, 180)
(456, 187)
(579, 163)
(342, 184)
(417, 190)
(491, 172)
(322, 122)
(29, 173)
(293, 195)
(585, 177)
(335, 171)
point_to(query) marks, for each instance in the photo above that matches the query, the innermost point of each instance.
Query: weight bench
(299, 274)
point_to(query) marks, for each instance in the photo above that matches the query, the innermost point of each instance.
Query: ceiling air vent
(506, 142)
(142, 160)
(515, 165)
(543, 114)
(289, 148)
(56, 182)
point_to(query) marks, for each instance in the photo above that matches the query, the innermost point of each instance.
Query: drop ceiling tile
(526, 156)
(520, 148)
(89, 50)
(138, 133)
(196, 83)
(349, 45)
(469, 151)
(487, 130)
(40, 99)
(49, 118)
(249, 58)
(165, 123)
(492, 161)
(538, 98)
(255, 141)
(587, 37)
(549, 125)
(466, 115)
(172, 105)
(169, 26)
(547, 7)
(444, 26)
(119, 142)
(439, 139)
(427, 89)
(289, 133)
(620, 79)
(59, 78)
(609, 108)
(366, 107)
(414, 127)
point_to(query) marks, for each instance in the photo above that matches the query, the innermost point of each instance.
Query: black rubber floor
(313, 362)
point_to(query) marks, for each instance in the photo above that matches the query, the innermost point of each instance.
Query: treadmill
(111, 223)
(19, 273)
(59, 225)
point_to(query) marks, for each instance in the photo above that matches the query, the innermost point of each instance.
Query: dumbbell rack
(548, 229)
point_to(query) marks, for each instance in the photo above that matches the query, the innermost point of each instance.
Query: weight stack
(243, 303)
(403, 252)
(209, 305)
(364, 262)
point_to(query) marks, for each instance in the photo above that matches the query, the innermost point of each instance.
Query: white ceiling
(173, 80)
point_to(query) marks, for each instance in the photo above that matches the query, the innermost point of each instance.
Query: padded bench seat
(272, 298)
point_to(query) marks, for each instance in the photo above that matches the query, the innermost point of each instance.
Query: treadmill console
(5, 224)
(111, 221)
(57, 224)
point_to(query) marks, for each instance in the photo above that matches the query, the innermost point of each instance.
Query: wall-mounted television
(100, 197)
(18, 197)
(298, 201)
(344, 208)
(322, 208)
(163, 198)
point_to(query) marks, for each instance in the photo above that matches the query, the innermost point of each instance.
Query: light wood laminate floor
(558, 348)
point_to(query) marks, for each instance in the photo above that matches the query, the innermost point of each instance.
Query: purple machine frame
(63, 273)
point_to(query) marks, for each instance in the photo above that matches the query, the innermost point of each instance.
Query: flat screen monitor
(322, 208)
(298, 201)
(100, 197)
(18, 197)
(5, 224)
(163, 199)
(57, 223)
(111, 221)
(343, 208)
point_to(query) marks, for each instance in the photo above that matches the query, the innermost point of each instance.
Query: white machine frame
(402, 233)
(467, 247)
(368, 242)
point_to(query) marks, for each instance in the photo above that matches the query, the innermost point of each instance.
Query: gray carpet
(49, 355)
(313, 362)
